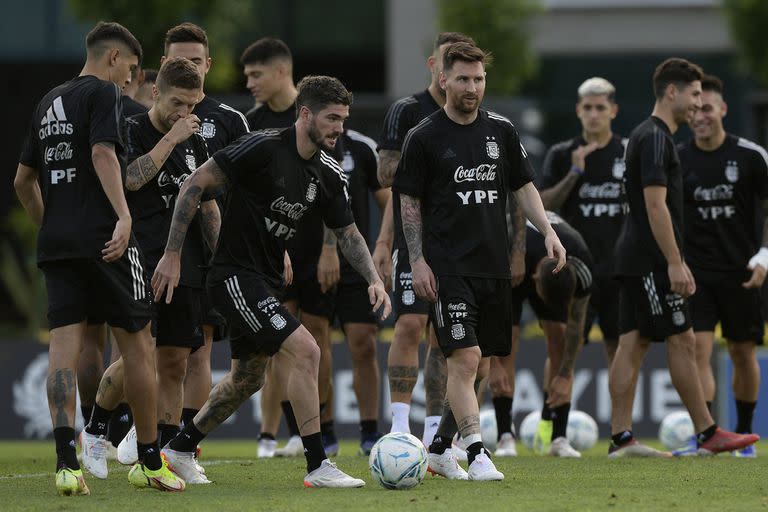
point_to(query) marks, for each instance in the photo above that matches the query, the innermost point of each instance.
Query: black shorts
(738, 310)
(179, 324)
(213, 318)
(405, 302)
(544, 312)
(472, 312)
(117, 293)
(604, 307)
(353, 306)
(647, 304)
(305, 291)
(257, 322)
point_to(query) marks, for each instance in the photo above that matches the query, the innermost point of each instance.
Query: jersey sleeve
(552, 170)
(245, 157)
(655, 155)
(106, 114)
(338, 212)
(520, 169)
(238, 125)
(30, 154)
(369, 162)
(760, 166)
(411, 176)
(396, 126)
(582, 266)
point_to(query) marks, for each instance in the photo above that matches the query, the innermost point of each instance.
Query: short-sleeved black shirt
(596, 206)
(262, 117)
(220, 124)
(578, 254)
(359, 160)
(152, 205)
(651, 160)
(132, 107)
(462, 174)
(721, 190)
(73, 117)
(273, 193)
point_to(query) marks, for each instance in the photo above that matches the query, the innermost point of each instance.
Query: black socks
(66, 452)
(188, 439)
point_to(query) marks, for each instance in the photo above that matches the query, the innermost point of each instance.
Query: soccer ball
(528, 428)
(488, 429)
(581, 431)
(675, 430)
(398, 461)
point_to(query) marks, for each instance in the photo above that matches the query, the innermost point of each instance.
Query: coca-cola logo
(483, 172)
(62, 151)
(716, 193)
(294, 211)
(607, 190)
(165, 178)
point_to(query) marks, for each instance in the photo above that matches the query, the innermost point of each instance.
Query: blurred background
(543, 50)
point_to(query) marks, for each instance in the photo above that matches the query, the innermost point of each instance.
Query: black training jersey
(721, 189)
(220, 124)
(403, 115)
(262, 117)
(462, 174)
(132, 107)
(579, 256)
(651, 160)
(272, 194)
(358, 157)
(78, 218)
(596, 206)
(152, 205)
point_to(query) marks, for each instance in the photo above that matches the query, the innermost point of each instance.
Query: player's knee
(409, 329)
(463, 364)
(172, 366)
(742, 354)
(363, 349)
(307, 354)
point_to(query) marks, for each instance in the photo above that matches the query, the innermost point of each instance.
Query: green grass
(241, 482)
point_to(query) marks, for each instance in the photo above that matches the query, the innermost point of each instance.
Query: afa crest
(732, 171)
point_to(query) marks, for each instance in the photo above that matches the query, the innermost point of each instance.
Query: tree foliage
(150, 19)
(747, 20)
(501, 27)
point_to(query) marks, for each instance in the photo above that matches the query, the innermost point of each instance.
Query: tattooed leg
(110, 392)
(61, 383)
(402, 380)
(403, 357)
(301, 355)
(448, 426)
(435, 377)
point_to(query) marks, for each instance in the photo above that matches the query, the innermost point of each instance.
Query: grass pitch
(533, 483)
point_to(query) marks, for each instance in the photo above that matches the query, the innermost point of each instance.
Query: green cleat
(543, 437)
(70, 482)
(162, 479)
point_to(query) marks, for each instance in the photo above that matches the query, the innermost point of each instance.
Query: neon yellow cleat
(162, 479)
(70, 482)
(543, 437)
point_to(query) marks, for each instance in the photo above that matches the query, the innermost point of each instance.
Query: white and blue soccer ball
(398, 461)
(581, 431)
(488, 429)
(528, 428)
(675, 430)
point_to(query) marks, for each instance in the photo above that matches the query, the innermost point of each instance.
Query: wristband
(578, 170)
(761, 258)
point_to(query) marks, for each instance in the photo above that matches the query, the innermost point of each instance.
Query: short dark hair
(178, 72)
(186, 33)
(464, 52)
(105, 31)
(150, 76)
(557, 289)
(452, 37)
(264, 50)
(317, 92)
(712, 83)
(677, 71)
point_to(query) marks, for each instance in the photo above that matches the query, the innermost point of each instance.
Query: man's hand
(681, 279)
(287, 269)
(382, 261)
(328, 273)
(517, 266)
(166, 276)
(579, 155)
(379, 297)
(757, 278)
(184, 128)
(555, 249)
(114, 249)
(498, 379)
(424, 283)
(560, 391)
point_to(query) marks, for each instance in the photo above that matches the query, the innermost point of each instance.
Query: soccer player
(220, 126)
(131, 106)
(655, 279)
(391, 258)
(358, 157)
(277, 180)
(725, 183)
(268, 66)
(457, 167)
(144, 94)
(581, 180)
(69, 181)
(560, 301)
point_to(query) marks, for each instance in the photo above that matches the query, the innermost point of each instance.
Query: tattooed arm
(208, 180)
(388, 160)
(424, 283)
(328, 267)
(210, 222)
(517, 256)
(560, 385)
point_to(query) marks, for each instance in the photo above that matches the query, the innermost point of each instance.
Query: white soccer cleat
(328, 475)
(560, 447)
(111, 451)
(266, 449)
(184, 465)
(506, 446)
(95, 454)
(446, 465)
(482, 469)
(459, 448)
(294, 448)
(127, 450)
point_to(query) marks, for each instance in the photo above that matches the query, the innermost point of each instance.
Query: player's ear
(155, 92)
(163, 59)
(614, 110)
(725, 108)
(208, 64)
(431, 62)
(443, 79)
(114, 53)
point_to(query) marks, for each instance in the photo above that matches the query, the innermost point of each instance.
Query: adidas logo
(448, 154)
(54, 122)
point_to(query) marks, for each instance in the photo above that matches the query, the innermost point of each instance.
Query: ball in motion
(528, 428)
(398, 461)
(582, 430)
(488, 429)
(675, 430)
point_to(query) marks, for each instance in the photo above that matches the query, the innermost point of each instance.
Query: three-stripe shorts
(473, 311)
(647, 304)
(83, 288)
(258, 323)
